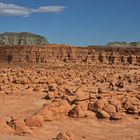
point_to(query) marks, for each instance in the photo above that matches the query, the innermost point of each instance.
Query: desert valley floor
(69, 100)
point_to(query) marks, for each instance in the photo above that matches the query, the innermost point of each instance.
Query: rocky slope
(23, 38)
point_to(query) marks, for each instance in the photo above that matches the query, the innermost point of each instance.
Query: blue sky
(74, 22)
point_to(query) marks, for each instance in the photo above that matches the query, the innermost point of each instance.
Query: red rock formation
(71, 82)
(63, 54)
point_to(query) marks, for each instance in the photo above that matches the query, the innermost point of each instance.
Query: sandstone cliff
(48, 54)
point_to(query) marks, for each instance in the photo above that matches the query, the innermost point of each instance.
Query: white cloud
(49, 9)
(13, 10)
(16, 10)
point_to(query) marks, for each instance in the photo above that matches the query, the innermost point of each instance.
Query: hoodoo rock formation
(49, 88)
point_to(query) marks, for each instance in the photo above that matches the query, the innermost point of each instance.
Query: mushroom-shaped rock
(5, 129)
(109, 108)
(103, 115)
(52, 87)
(19, 126)
(35, 120)
(117, 116)
(98, 105)
(54, 110)
(65, 136)
(83, 105)
(131, 105)
(81, 95)
(77, 112)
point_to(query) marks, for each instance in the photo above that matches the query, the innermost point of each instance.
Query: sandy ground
(86, 129)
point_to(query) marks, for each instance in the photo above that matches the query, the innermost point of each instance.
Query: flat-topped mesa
(23, 38)
(123, 44)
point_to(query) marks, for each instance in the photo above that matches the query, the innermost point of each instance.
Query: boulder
(19, 126)
(131, 105)
(54, 110)
(35, 120)
(5, 129)
(117, 116)
(71, 99)
(65, 136)
(114, 101)
(138, 96)
(52, 87)
(103, 115)
(98, 105)
(76, 112)
(109, 108)
(81, 95)
(120, 84)
(83, 105)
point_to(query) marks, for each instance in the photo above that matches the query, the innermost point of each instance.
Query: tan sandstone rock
(34, 121)
(65, 136)
(5, 129)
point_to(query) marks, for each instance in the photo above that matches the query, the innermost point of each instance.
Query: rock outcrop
(68, 83)
(5, 129)
(22, 38)
(65, 136)
(62, 54)
(123, 44)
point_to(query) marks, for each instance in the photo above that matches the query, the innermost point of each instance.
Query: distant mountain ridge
(23, 38)
(124, 44)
